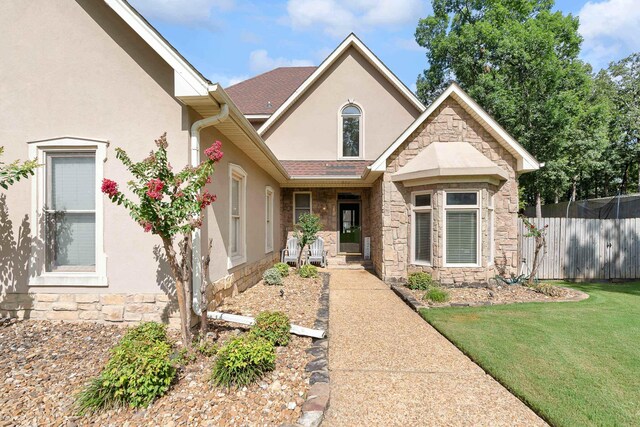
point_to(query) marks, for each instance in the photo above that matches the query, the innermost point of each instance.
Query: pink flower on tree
(147, 226)
(155, 187)
(206, 199)
(109, 187)
(214, 153)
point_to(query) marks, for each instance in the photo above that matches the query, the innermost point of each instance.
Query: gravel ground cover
(501, 294)
(44, 364)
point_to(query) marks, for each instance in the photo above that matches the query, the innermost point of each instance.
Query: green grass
(575, 364)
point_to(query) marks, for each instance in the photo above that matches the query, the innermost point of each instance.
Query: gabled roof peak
(351, 41)
(526, 161)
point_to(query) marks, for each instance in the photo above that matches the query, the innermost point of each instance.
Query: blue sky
(231, 40)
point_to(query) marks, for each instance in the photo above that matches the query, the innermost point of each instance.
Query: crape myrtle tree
(519, 60)
(170, 205)
(10, 173)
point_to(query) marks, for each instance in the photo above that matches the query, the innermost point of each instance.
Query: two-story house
(408, 186)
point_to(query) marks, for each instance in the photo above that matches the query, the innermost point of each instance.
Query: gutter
(196, 273)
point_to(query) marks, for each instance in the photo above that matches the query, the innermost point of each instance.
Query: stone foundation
(125, 308)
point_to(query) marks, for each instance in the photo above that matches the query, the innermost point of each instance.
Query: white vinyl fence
(585, 248)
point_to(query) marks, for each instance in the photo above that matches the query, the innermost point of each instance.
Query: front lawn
(574, 363)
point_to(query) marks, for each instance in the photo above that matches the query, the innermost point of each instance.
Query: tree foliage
(168, 204)
(10, 173)
(519, 60)
(306, 231)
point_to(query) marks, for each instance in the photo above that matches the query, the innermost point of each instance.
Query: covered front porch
(344, 214)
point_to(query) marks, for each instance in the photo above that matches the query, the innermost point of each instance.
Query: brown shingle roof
(328, 168)
(263, 94)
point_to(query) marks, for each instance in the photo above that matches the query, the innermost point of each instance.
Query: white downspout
(196, 273)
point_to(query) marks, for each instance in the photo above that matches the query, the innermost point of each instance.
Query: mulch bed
(477, 295)
(44, 364)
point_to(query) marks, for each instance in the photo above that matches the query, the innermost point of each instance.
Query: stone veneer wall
(125, 308)
(324, 203)
(375, 218)
(449, 123)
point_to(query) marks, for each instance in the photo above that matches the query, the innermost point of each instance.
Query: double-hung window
(422, 227)
(238, 215)
(462, 224)
(491, 225)
(301, 205)
(268, 244)
(67, 212)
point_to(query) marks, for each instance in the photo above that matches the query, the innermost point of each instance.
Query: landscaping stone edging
(407, 296)
(317, 403)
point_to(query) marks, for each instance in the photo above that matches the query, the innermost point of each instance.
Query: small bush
(242, 361)
(308, 271)
(272, 277)
(549, 290)
(207, 348)
(420, 281)
(273, 326)
(436, 294)
(138, 371)
(283, 268)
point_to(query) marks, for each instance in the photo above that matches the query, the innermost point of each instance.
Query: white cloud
(184, 12)
(338, 18)
(408, 44)
(227, 80)
(611, 29)
(260, 61)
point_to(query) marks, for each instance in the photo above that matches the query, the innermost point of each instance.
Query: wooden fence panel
(596, 249)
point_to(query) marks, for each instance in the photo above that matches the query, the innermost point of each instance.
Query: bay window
(422, 227)
(462, 225)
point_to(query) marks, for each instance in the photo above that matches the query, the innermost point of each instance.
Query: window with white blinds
(301, 205)
(268, 244)
(422, 226)
(237, 215)
(462, 218)
(70, 211)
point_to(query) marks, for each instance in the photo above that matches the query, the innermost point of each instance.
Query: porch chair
(317, 253)
(290, 253)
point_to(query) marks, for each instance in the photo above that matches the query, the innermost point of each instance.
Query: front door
(349, 227)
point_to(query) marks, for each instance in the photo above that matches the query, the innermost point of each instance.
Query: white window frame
(415, 209)
(492, 230)
(239, 257)
(463, 208)
(268, 219)
(294, 203)
(341, 133)
(37, 271)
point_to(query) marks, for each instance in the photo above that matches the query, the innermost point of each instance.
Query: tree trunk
(574, 189)
(180, 291)
(538, 205)
(540, 242)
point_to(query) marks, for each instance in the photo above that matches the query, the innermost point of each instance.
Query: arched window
(351, 118)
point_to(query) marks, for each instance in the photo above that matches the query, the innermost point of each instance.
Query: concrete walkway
(390, 367)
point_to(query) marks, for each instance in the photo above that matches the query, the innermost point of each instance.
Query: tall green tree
(519, 60)
(620, 82)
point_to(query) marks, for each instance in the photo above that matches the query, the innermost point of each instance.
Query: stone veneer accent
(324, 203)
(449, 123)
(125, 308)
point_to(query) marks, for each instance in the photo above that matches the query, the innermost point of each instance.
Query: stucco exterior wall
(78, 70)
(449, 123)
(309, 130)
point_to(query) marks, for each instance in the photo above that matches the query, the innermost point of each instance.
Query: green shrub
(242, 361)
(147, 331)
(138, 371)
(420, 281)
(283, 268)
(272, 277)
(207, 348)
(273, 326)
(436, 294)
(308, 271)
